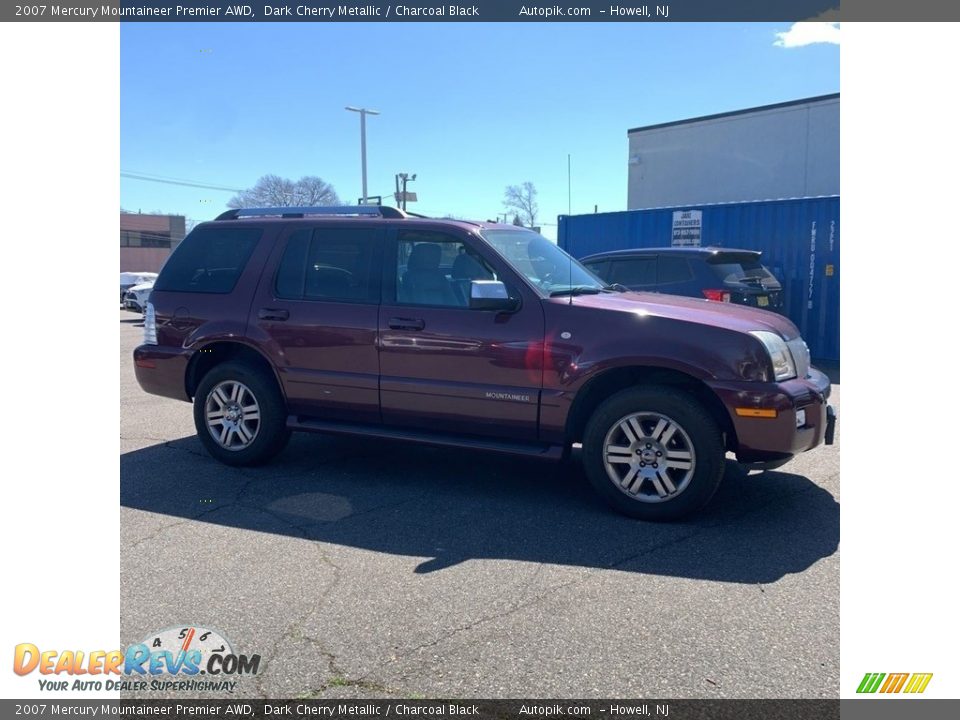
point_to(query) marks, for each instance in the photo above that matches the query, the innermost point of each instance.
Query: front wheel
(239, 415)
(653, 453)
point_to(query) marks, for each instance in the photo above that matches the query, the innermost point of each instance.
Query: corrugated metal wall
(799, 238)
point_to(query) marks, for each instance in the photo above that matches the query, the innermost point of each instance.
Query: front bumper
(162, 370)
(788, 433)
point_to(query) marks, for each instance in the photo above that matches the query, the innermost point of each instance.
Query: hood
(692, 310)
(141, 287)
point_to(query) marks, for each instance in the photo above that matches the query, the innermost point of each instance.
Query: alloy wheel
(649, 457)
(232, 415)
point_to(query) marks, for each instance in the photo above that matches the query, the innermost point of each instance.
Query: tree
(522, 199)
(275, 191)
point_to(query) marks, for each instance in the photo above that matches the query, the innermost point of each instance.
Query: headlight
(783, 366)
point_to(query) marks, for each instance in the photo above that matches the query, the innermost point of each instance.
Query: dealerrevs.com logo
(910, 683)
(182, 658)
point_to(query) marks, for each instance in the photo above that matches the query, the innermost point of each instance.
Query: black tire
(696, 428)
(271, 434)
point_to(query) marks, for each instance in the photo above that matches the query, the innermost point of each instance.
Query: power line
(177, 181)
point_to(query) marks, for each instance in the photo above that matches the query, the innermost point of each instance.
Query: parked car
(137, 296)
(712, 273)
(368, 321)
(129, 279)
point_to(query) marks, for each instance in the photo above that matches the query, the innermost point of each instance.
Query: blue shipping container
(799, 238)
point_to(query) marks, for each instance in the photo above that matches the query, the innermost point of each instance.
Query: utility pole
(363, 143)
(401, 180)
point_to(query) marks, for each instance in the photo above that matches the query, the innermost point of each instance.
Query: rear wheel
(653, 453)
(240, 415)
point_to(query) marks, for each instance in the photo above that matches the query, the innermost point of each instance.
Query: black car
(720, 274)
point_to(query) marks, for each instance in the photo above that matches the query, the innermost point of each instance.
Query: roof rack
(300, 212)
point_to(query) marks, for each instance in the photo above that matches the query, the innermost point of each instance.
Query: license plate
(762, 301)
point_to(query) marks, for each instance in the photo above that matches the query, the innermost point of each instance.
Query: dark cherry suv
(370, 321)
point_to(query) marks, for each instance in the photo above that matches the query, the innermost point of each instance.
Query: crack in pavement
(163, 528)
(145, 437)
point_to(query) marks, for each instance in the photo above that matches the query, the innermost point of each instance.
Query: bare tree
(275, 191)
(522, 200)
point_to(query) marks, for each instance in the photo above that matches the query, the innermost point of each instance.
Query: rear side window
(673, 270)
(333, 264)
(634, 271)
(209, 260)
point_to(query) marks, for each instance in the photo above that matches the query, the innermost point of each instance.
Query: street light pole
(363, 143)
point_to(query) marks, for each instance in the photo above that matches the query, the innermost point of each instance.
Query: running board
(546, 452)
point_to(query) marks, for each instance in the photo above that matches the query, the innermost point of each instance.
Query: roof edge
(734, 113)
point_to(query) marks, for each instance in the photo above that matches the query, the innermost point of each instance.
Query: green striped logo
(894, 682)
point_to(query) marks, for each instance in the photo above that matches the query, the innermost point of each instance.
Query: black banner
(643, 709)
(479, 11)
(430, 709)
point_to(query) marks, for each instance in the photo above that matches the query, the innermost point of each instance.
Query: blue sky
(469, 107)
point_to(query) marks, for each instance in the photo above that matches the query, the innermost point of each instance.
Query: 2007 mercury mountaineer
(371, 321)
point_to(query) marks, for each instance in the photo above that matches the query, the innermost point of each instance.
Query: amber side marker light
(756, 412)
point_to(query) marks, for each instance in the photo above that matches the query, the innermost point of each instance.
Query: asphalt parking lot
(365, 568)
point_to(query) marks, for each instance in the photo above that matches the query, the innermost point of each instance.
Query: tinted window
(673, 270)
(209, 260)
(328, 264)
(291, 273)
(437, 269)
(634, 271)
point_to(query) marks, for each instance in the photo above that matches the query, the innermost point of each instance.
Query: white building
(786, 150)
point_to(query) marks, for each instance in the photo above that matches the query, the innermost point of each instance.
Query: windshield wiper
(617, 287)
(578, 290)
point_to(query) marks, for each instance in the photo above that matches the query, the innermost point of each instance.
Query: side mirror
(490, 295)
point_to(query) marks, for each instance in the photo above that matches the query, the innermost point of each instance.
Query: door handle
(406, 324)
(273, 314)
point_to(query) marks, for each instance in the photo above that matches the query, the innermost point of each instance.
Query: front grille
(801, 356)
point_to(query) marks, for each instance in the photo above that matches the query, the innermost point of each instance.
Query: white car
(129, 279)
(137, 296)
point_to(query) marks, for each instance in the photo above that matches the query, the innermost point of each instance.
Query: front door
(443, 366)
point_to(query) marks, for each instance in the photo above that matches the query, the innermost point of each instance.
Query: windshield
(540, 261)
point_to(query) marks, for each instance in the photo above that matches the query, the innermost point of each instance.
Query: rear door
(445, 367)
(315, 313)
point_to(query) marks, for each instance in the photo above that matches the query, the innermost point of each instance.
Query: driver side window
(437, 269)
